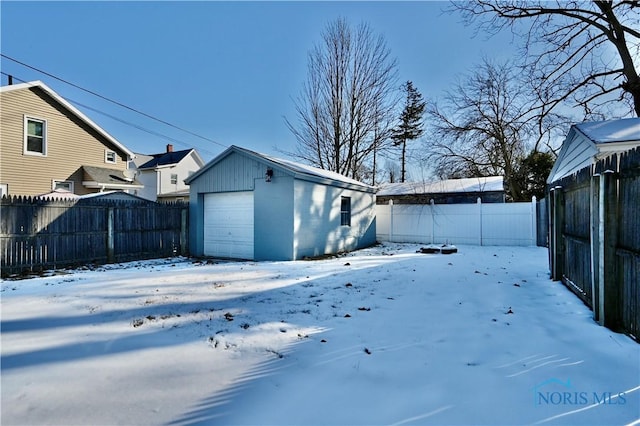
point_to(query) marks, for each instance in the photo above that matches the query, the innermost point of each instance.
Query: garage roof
(299, 171)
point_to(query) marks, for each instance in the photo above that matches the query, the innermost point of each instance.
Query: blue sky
(225, 70)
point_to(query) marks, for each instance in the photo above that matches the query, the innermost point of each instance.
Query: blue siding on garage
(297, 214)
(317, 220)
(273, 218)
(234, 172)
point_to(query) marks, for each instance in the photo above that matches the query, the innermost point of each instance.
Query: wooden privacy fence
(485, 224)
(595, 238)
(37, 234)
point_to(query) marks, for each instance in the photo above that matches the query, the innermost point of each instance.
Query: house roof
(114, 195)
(180, 193)
(482, 184)
(166, 159)
(623, 130)
(70, 108)
(59, 194)
(586, 142)
(99, 177)
(299, 171)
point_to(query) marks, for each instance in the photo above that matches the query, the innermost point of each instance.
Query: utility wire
(136, 126)
(112, 101)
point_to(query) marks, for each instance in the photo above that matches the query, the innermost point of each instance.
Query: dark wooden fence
(38, 234)
(594, 241)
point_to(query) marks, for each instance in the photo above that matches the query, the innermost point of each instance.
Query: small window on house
(174, 179)
(35, 136)
(109, 157)
(66, 185)
(4, 189)
(345, 211)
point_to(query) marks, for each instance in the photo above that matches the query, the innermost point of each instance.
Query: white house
(252, 206)
(588, 142)
(163, 174)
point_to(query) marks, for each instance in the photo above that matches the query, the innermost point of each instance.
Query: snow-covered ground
(380, 336)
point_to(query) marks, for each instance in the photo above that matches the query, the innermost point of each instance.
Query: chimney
(10, 80)
(169, 147)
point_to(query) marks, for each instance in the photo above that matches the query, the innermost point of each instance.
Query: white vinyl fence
(489, 224)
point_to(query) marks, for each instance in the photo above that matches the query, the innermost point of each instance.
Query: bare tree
(345, 109)
(586, 53)
(485, 126)
(391, 171)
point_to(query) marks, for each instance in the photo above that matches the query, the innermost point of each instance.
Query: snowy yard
(380, 336)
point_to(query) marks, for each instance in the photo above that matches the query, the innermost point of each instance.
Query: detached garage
(246, 205)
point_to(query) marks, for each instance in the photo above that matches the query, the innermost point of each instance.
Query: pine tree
(410, 126)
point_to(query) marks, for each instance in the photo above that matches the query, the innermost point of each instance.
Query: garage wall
(273, 219)
(234, 172)
(293, 218)
(317, 220)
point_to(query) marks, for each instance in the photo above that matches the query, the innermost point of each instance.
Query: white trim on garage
(228, 225)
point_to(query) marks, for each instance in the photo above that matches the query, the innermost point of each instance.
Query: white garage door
(228, 225)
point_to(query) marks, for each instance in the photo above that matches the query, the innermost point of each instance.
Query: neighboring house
(251, 206)
(115, 196)
(62, 194)
(451, 191)
(588, 142)
(48, 144)
(163, 174)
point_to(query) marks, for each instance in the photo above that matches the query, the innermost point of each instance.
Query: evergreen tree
(410, 126)
(532, 173)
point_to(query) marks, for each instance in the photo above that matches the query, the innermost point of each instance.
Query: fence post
(479, 202)
(433, 221)
(110, 236)
(391, 220)
(557, 224)
(596, 233)
(534, 221)
(612, 303)
(183, 232)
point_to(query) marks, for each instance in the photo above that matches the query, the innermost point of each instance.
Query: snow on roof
(299, 169)
(314, 171)
(483, 184)
(114, 195)
(59, 193)
(623, 130)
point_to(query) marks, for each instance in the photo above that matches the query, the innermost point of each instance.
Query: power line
(112, 101)
(136, 126)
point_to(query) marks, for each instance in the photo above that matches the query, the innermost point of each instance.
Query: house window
(174, 179)
(4, 189)
(35, 136)
(345, 211)
(109, 157)
(67, 185)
